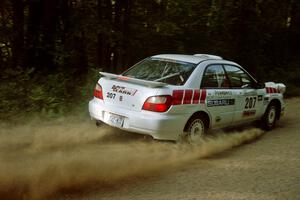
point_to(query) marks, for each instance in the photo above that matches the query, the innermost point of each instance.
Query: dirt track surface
(71, 159)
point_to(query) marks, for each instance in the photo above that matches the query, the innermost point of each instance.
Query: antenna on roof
(208, 56)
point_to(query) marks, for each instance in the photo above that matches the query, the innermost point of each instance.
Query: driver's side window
(237, 77)
(214, 77)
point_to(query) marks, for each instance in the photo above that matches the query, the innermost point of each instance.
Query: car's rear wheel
(270, 117)
(195, 130)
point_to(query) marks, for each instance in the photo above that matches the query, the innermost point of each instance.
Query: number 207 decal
(111, 95)
(250, 102)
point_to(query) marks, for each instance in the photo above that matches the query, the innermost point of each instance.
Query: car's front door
(249, 100)
(219, 100)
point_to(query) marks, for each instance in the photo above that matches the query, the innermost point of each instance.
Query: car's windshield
(168, 71)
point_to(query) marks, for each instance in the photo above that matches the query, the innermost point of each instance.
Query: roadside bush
(24, 93)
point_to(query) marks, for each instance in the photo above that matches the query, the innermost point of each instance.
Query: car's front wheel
(195, 130)
(270, 117)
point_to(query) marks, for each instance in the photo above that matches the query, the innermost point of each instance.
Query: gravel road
(267, 168)
(71, 159)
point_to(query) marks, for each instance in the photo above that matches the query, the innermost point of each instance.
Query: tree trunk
(18, 33)
(121, 27)
(33, 34)
(126, 54)
(103, 40)
(48, 32)
(294, 29)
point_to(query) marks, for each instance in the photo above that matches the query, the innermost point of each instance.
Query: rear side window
(214, 77)
(238, 78)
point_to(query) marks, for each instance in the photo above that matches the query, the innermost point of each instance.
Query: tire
(195, 129)
(270, 117)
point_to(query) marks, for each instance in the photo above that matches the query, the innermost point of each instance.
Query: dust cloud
(41, 159)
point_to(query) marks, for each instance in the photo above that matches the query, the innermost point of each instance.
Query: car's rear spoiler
(151, 84)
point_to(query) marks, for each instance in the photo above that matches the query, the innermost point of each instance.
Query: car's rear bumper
(160, 126)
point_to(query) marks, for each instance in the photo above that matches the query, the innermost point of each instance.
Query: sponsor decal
(123, 90)
(248, 113)
(223, 93)
(259, 98)
(220, 102)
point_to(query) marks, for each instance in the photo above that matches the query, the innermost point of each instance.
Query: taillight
(158, 103)
(98, 91)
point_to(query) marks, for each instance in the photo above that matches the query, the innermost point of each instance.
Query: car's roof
(188, 58)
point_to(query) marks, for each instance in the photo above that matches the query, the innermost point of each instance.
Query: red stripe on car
(196, 97)
(188, 96)
(273, 90)
(203, 96)
(177, 97)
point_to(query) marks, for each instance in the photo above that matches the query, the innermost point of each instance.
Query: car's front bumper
(162, 126)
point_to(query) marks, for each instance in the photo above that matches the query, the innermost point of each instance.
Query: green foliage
(23, 93)
(49, 94)
(86, 91)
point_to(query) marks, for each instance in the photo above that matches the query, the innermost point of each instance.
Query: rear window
(167, 71)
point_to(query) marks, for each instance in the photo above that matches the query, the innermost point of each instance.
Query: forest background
(52, 50)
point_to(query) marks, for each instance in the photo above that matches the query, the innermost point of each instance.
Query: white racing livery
(175, 97)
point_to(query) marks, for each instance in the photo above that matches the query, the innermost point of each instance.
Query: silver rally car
(175, 97)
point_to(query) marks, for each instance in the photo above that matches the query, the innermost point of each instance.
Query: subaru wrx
(175, 97)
